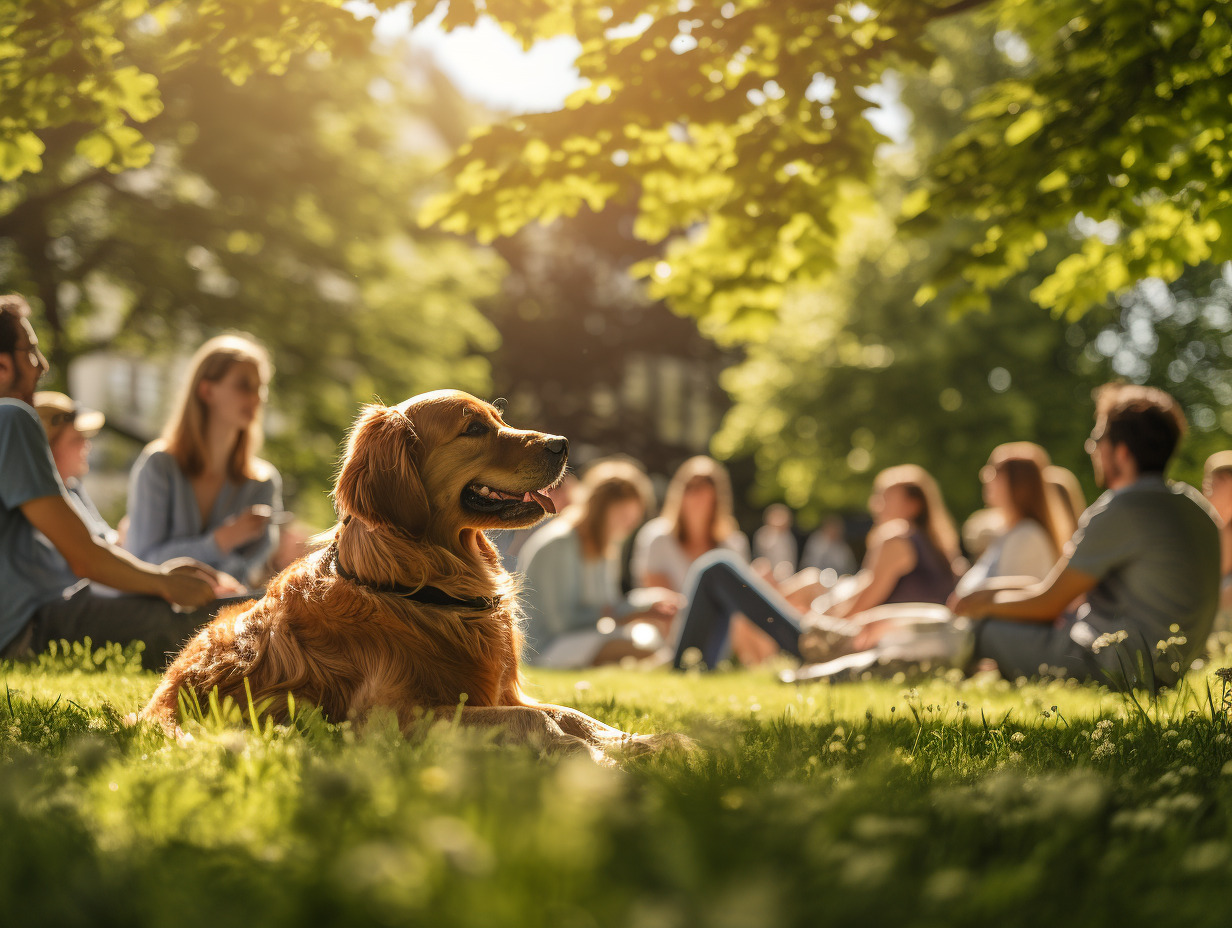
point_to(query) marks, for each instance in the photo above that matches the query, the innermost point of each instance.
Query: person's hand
(660, 610)
(242, 528)
(977, 605)
(870, 634)
(666, 603)
(185, 588)
(226, 585)
(223, 584)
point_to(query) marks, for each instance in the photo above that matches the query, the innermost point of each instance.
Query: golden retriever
(408, 607)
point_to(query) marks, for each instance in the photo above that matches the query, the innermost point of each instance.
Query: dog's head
(446, 461)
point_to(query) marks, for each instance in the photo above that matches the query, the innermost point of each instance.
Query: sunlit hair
(184, 436)
(606, 484)
(1067, 496)
(1023, 464)
(722, 521)
(934, 519)
(1218, 464)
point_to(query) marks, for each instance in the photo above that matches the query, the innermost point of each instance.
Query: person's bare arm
(888, 563)
(96, 560)
(1040, 602)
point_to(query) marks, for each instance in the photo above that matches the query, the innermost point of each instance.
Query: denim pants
(720, 586)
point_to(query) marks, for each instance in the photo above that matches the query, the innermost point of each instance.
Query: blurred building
(586, 354)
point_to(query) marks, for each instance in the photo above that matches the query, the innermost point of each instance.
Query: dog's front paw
(664, 742)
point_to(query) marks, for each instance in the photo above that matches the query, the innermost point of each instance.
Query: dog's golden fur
(402, 498)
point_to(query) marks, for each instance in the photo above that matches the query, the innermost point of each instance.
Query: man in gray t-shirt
(1145, 559)
(33, 610)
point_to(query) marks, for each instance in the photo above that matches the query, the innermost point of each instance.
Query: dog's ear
(379, 480)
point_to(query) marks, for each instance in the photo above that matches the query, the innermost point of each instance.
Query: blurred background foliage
(283, 207)
(853, 376)
(827, 191)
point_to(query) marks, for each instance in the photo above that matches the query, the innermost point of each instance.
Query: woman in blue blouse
(200, 491)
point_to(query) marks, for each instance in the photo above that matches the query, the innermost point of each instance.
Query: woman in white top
(696, 518)
(1034, 535)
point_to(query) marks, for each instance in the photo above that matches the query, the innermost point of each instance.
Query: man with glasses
(1144, 562)
(33, 609)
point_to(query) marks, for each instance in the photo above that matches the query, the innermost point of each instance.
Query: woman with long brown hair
(200, 490)
(1066, 496)
(1035, 526)
(577, 615)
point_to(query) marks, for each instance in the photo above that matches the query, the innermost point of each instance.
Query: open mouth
(508, 504)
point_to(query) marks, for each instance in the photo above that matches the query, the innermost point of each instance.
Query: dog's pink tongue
(542, 499)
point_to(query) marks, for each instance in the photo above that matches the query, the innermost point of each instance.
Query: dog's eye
(478, 427)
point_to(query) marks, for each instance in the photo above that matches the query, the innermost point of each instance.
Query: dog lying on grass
(408, 607)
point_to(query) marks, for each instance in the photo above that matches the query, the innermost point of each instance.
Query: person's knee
(719, 558)
(718, 568)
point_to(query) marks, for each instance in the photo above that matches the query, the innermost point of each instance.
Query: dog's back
(331, 644)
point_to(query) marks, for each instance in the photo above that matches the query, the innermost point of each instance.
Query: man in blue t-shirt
(33, 609)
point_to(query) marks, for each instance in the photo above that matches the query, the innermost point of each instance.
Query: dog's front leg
(606, 738)
(529, 725)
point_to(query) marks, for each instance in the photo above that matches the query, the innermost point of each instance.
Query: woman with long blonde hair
(200, 491)
(696, 518)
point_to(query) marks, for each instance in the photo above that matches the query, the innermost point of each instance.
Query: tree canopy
(854, 377)
(72, 63)
(283, 207)
(739, 129)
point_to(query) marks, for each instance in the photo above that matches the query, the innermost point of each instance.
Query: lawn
(931, 802)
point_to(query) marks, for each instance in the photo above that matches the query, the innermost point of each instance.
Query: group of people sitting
(1125, 591)
(202, 515)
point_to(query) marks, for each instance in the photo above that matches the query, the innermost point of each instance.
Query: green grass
(944, 803)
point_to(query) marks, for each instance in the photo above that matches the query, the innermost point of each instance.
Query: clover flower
(1109, 639)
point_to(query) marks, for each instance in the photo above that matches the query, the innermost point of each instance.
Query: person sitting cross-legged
(33, 609)
(1145, 558)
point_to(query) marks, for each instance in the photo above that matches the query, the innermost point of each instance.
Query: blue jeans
(718, 587)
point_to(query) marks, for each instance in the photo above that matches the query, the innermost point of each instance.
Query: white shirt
(1026, 550)
(657, 550)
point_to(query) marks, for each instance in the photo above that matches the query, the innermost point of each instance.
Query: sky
(491, 67)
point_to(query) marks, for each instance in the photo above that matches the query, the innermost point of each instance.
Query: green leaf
(915, 203)
(137, 93)
(20, 154)
(96, 148)
(1024, 127)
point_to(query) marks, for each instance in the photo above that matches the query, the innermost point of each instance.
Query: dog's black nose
(557, 445)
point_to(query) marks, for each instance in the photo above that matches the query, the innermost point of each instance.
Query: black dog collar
(429, 595)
